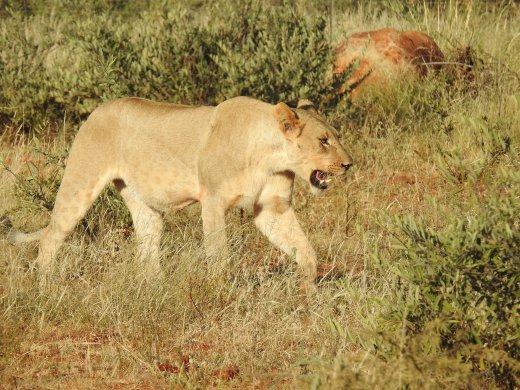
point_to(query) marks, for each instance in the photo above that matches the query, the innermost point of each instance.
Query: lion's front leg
(277, 220)
(214, 225)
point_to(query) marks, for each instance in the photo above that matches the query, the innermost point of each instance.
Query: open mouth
(320, 179)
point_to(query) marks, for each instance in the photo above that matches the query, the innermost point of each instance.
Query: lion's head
(314, 151)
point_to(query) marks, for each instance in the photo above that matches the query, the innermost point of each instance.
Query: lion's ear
(306, 104)
(288, 121)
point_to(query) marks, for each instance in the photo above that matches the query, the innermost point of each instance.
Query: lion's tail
(16, 237)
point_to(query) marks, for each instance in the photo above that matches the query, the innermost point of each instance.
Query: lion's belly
(173, 187)
(166, 198)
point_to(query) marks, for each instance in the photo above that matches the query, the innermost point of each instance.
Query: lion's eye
(324, 141)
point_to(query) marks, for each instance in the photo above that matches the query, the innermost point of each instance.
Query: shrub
(271, 53)
(63, 67)
(465, 279)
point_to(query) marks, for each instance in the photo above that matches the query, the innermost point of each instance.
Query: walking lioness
(241, 153)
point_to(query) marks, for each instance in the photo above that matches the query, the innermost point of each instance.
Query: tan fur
(384, 54)
(241, 153)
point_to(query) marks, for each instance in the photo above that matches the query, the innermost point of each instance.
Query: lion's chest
(247, 189)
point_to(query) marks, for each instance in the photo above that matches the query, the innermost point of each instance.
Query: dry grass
(238, 323)
(230, 325)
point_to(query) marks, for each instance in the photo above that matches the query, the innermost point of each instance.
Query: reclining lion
(241, 153)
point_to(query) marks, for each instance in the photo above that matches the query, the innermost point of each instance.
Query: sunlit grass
(432, 151)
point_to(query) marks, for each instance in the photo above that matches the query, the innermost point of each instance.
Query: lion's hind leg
(148, 225)
(78, 190)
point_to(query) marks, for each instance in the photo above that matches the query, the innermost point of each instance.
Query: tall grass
(418, 246)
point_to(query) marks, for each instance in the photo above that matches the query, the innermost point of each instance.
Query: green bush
(465, 279)
(62, 67)
(272, 54)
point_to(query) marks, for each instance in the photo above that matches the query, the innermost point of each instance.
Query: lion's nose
(347, 165)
